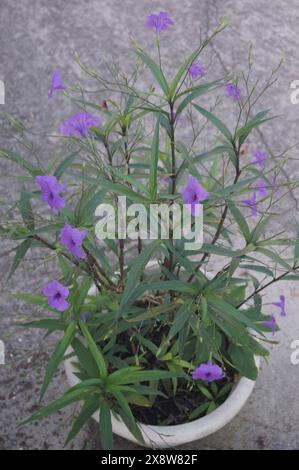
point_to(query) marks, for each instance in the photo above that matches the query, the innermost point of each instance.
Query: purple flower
(271, 324)
(196, 70)
(57, 295)
(56, 83)
(159, 22)
(208, 372)
(51, 190)
(233, 91)
(79, 124)
(73, 238)
(261, 157)
(262, 188)
(252, 203)
(281, 304)
(193, 193)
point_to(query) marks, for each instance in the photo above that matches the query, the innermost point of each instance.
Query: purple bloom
(56, 83)
(262, 188)
(252, 203)
(193, 193)
(73, 238)
(281, 304)
(159, 22)
(57, 295)
(208, 372)
(261, 157)
(233, 91)
(79, 124)
(51, 190)
(271, 324)
(197, 71)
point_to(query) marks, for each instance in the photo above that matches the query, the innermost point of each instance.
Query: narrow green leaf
(88, 409)
(95, 351)
(243, 361)
(154, 162)
(57, 356)
(137, 269)
(56, 405)
(26, 209)
(215, 121)
(155, 69)
(181, 318)
(14, 157)
(86, 359)
(296, 249)
(240, 220)
(65, 164)
(195, 92)
(127, 416)
(106, 427)
(20, 254)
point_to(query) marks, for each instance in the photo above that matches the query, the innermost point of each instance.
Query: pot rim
(174, 435)
(170, 436)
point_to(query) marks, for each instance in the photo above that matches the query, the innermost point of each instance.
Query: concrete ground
(39, 36)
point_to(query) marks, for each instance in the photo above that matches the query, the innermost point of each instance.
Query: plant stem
(223, 217)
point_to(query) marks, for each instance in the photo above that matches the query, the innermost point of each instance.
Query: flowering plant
(162, 345)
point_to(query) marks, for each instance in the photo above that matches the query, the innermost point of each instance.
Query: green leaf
(199, 411)
(46, 323)
(259, 269)
(135, 375)
(195, 92)
(137, 269)
(296, 249)
(256, 121)
(88, 409)
(205, 391)
(243, 361)
(57, 356)
(127, 416)
(95, 351)
(65, 164)
(230, 310)
(106, 427)
(81, 294)
(155, 69)
(154, 162)
(215, 121)
(218, 250)
(274, 256)
(20, 254)
(88, 210)
(130, 179)
(56, 405)
(181, 318)
(86, 359)
(26, 209)
(14, 157)
(116, 188)
(240, 220)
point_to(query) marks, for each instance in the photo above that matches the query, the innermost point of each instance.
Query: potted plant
(161, 336)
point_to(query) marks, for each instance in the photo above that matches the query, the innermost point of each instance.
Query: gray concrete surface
(39, 36)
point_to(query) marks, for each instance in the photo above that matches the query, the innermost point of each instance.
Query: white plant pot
(171, 436)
